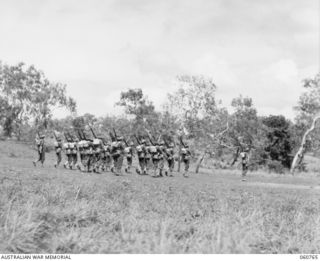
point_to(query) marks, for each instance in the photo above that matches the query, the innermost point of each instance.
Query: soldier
(58, 148)
(153, 151)
(80, 150)
(67, 149)
(169, 155)
(160, 152)
(244, 162)
(117, 151)
(41, 150)
(96, 156)
(147, 157)
(86, 156)
(106, 157)
(90, 157)
(128, 151)
(141, 153)
(74, 154)
(185, 158)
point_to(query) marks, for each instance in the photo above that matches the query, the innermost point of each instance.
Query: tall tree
(308, 110)
(140, 108)
(29, 95)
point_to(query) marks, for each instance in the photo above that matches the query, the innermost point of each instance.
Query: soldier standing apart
(185, 159)
(58, 149)
(128, 150)
(40, 149)
(244, 161)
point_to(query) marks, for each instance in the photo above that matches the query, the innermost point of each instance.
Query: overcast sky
(257, 48)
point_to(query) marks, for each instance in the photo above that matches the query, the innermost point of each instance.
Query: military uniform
(67, 150)
(81, 154)
(58, 149)
(185, 159)
(128, 151)
(74, 154)
(85, 156)
(169, 155)
(117, 151)
(153, 150)
(97, 153)
(41, 150)
(141, 153)
(244, 162)
(160, 152)
(147, 157)
(106, 157)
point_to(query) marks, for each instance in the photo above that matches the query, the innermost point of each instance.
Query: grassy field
(61, 211)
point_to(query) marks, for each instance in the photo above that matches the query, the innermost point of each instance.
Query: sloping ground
(62, 211)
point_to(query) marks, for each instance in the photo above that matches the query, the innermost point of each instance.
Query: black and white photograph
(159, 127)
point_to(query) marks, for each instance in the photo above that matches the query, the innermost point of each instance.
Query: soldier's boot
(34, 163)
(160, 173)
(166, 172)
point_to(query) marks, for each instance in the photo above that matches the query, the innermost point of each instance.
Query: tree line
(28, 100)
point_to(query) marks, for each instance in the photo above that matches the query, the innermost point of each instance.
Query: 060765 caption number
(309, 257)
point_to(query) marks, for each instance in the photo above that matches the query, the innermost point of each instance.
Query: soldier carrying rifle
(141, 153)
(185, 155)
(128, 151)
(41, 149)
(169, 156)
(58, 149)
(117, 151)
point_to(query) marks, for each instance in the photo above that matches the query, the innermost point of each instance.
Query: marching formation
(97, 154)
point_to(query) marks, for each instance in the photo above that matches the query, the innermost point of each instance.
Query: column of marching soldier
(155, 158)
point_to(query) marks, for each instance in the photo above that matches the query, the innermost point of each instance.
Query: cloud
(101, 47)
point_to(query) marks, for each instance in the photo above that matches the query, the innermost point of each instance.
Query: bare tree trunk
(298, 158)
(179, 158)
(199, 161)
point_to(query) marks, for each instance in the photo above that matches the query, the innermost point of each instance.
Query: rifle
(125, 141)
(181, 141)
(151, 141)
(150, 137)
(79, 135)
(137, 139)
(65, 135)
(111, 136)
(84, 135)
(55, 136)
(115, 134)
(94, 135)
